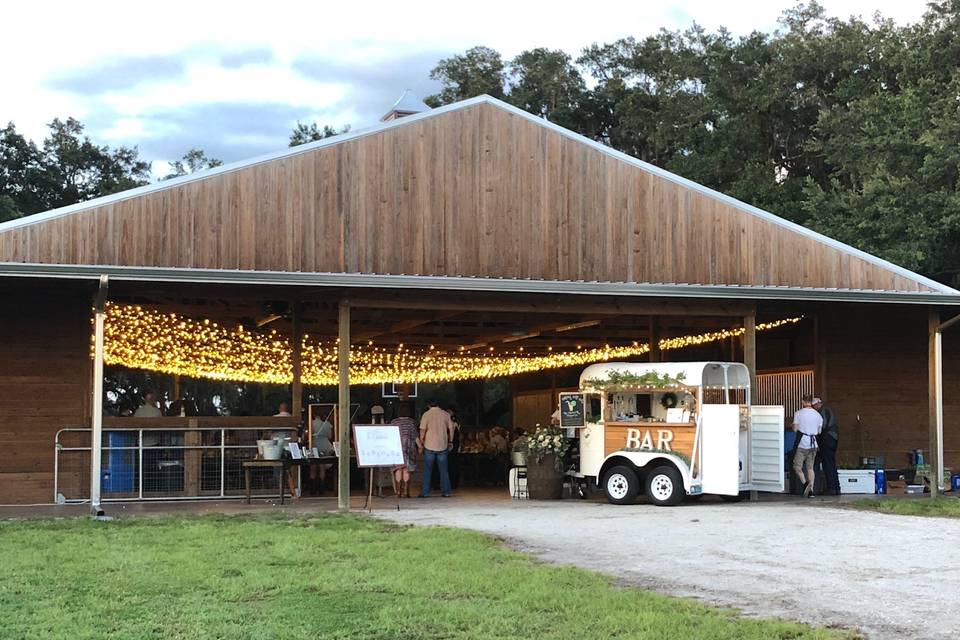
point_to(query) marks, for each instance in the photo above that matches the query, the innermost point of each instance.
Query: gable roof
(540, 179)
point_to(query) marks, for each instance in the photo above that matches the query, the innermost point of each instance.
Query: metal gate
(785, 388)
(160, 464)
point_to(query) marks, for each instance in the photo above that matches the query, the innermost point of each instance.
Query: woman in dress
(410, 441)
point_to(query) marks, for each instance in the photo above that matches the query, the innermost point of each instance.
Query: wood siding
(875, 367)
(476, 191)
(615, 435)
(45, 374)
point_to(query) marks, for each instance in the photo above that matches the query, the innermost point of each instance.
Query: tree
(303, 134)
(191, 162)
(480, 70)
(21, 174)
(68, 168)
(75, 169)
(548, 84)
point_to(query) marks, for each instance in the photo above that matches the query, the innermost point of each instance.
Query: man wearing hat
(828, 442)
(807, 423)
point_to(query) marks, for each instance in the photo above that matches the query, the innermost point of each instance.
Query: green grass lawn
(940, 507)
(320, 577)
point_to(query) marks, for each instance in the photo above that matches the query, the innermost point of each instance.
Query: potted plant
(546, 448)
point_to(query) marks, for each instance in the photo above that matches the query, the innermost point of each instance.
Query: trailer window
(594, 407)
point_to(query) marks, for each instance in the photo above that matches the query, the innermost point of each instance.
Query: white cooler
(517, 484)
(857, 480)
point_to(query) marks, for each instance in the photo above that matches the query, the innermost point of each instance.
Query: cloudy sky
(234, 77)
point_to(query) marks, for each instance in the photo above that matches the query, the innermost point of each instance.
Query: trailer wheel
(621, 485)
(665, 486)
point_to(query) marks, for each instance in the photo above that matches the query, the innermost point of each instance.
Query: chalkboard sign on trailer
(572, 412)
(378, 445)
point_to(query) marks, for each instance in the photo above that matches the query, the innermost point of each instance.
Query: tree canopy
(302, 133)
(67, 168)
(191, 162)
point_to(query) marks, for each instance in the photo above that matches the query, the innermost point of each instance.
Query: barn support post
(96, 406)
(343, 411)
(935, 398)
(750, 350)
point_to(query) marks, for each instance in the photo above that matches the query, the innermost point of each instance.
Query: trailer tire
(621, 485)
(665, 486)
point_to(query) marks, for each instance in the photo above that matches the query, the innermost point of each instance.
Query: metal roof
(484, 99)
(407, 103)
(469, 284)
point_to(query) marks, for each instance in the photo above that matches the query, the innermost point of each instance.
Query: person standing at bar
(149, 408)
(807, 423)
(828, 442)
(436, 434)
(410, 442)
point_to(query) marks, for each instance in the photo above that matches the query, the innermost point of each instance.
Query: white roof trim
(469, 284)
(484, 99)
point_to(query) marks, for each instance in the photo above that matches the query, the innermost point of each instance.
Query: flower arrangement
(545, 441)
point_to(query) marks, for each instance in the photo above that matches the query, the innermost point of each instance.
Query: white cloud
(129, 73)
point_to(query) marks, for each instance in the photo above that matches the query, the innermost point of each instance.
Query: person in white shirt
(807, 423)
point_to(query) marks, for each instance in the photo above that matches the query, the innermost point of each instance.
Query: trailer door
(720, 446)
(766, 448)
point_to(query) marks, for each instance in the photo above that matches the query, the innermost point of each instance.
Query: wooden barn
(468, 241)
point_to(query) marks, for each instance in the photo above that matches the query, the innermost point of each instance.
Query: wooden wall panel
(44, 377)
(876, 368)
(476, 191)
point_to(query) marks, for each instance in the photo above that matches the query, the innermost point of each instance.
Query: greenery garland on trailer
(622, 380)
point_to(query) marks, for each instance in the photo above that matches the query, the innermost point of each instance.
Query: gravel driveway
(889, 576)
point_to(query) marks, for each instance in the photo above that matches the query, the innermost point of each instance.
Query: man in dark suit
(828, 440)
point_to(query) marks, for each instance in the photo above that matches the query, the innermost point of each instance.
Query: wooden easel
(368, 504)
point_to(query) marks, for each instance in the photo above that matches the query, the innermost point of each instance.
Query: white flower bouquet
(546, 441)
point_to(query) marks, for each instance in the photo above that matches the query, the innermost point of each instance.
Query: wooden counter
(677, 437)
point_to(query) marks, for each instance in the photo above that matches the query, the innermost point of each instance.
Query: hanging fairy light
(140, 338)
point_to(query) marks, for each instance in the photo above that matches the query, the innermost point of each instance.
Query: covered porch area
(228, 353)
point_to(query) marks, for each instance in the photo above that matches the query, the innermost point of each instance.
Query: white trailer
(672, 430)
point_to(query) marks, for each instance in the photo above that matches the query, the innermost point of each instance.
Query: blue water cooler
(881, 480)
(118, 472)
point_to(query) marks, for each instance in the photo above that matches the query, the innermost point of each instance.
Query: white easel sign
(378, 445)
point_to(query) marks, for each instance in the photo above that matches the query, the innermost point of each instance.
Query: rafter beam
(592, 305)
(405, 325)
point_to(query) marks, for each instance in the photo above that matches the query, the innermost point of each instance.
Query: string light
(666, 344)
(139, 338)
